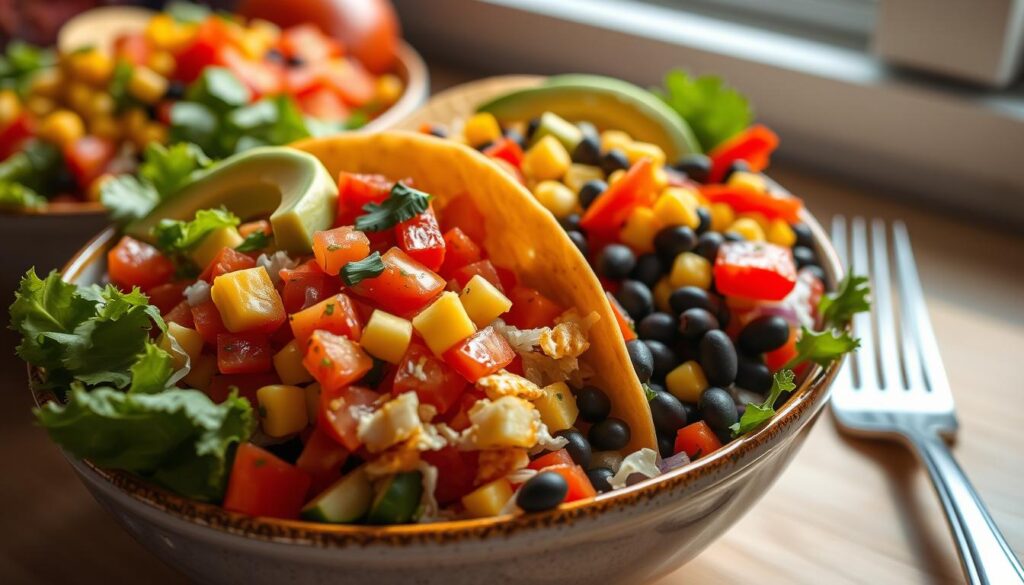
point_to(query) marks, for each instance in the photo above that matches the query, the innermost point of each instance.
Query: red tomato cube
(337, 315)
(244, 353)
(697, 440)
(336, 413)
(530, 309)
(335, 361)
(337, 247)
(263, 485)
(755, 270)
(433, 381)
(133, 263)
(421, 239)
(227, 260)
(481, 354)
(405, 286)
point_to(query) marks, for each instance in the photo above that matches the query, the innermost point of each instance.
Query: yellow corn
(152, 132)
(482, 300)
(686, 381)
(40, 106)
(759, 218)
(93, 67)
(189, 340)
(282, 409)
(556, 197)
(168, 34)
(134, 121)
(388, 89)
(747, 180)
(635, 151)
(579, 174)
(780, 233)
(641, 227)
(10, 107)
(213, 243)
(547, 159)
(101, 104)
(147, 85)
(662, 291)
(62, 127)
(748, 228)
(288, 365)
(78, 95)
(615, 139)
(557, 407)
(386, 336)
(488, 499)
(481, 128)
(246, 299)
(677, 206)
(722, 216)
(690, 269)
(46, 82)
(444, 323)
(105, 127)
(162, 62)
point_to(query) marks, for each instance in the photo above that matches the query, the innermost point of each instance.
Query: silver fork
(895, 387)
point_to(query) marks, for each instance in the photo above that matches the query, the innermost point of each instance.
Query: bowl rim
(799, 410)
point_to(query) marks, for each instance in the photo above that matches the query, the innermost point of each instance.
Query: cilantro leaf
(16, 197)
(219, 89)
(355, 272)
(176, 236)
(127, 198)
(152, 371)
(270, 121)
(649, 392)
(852, 297)
(404, 203)
(756, 414)
(168, 169)
(257, 240)
(179, 437)
(714, 111)
(822, 347)
(27, 175)
(20, 62)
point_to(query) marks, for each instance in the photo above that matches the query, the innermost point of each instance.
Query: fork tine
(867, 363)
(888, 352)
(917, 326)
(846, 373)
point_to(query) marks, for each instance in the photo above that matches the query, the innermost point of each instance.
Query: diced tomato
(484, 268)
(336, 413)
(244, 353)
(133, 263)
(166, 296)
(14, 134)
(263, 78)
(433, 381)
(771, 205)
(609, 212)
(459, 251)
(263, 485)
(306, 42)
(481, 354)
(88, 157)
(777, 358)
(202, 52)
(560, 457)
(622, 318)
(305, 285)
(697, 440)
(461, 212)
(509, 280)
(530, 309)
(349, 80)
(247, 384)
(458, 416)
(336, 315)
(227, 260)
(507, 150)
(355, 191)
(456, 472)
(405, 286)
(515, 366)
(337, 247)
(322, 458)
(421, 239)
(134, 48)
(250, 227)
(324, 104)
(208, 323)
(335, 361)
(754, 145)
(181, 314)
(580, 487)
(755, 270)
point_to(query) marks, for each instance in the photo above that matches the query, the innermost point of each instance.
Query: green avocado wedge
(291, 186)
(605, 102)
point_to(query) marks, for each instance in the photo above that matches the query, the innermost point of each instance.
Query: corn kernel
(46, 82)
(388, 89)
(556, 198)
(690, 269)
(488, 499)
(757, 217)
(386, 336)
(547, 159)
(40, 106)
(10, 107)
(635, 151)
(93, 67)
(312, 401)
(677, 206)
(189, 340)
(660, 177)
(481, 128)
(615, 176)
(662, 291)
(247, 300)
(168, 34)
(162, 63)
(748, 181)
(288, 365)
(557, 407)
(748, 228)
(147, 85)
(722, 216)
(781, 234)
(202, 372)
(686, 381)
(134, 121)
(483, 301)
(78, 96)
(615, 139)
(100, 104)
(641, 227)
(579, 174)
(62, 127)
(105, 127)
(444, 323)
(282, 409)
(213, 243)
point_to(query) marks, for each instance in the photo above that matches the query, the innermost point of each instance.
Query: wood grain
(846, 511)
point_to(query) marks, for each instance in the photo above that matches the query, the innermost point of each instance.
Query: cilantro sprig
(355, 272)
(755, 414)
(402, 204)
(714, 111)
(852, 297)
(253, 242)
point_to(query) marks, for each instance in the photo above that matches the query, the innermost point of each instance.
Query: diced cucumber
(397, 499)
(346, 501)
(566, 132)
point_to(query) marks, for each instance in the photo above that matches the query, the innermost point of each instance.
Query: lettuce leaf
(714, 111)
(164, 172)
(176, 236)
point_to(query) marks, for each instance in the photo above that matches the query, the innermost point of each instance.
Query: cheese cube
(201, 373)
(248, 301)
(213, 243)
(506, 422)
(189, 340)
(444, 323)
(288, 364)
(547, 159)
(641, 227)
(557, 407)
(282, 409)
(386, 336)
(483, 301)
(677, 206)
(488, 499)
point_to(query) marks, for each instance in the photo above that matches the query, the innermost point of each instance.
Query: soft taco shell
(520, 235)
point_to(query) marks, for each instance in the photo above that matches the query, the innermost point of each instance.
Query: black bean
(717, 409)
(695, 322)
(659, 326)
(696, 166)
(666, 446)
(531, 128)
(688, 297)
(611, 434)
(614, 160)
(718, 358)
(687, 351)
(672, 241)
(764, 334)
(543, 491)
(578, 447)
(692, 412)
(615, 261)
(663, 358)
(587, 151)
(643, 361)
(705, 220)
(753, 375)
(668, 413)
(724, 315)
(570, 222)
(648, 270)
(804, 237)
(635, 298)
(590, 191)
(175, 90)
(600, 478)
(804, 256)
(708, 244)
(655, 387)
(295, 61)
(289, 450)
(580, 241)
(733, 237)
(593, 404)
(736, 166)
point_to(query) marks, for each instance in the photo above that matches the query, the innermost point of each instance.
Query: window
(853, 17)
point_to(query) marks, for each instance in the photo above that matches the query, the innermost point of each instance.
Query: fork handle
(984, 554)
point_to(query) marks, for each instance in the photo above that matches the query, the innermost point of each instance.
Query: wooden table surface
(846, 511)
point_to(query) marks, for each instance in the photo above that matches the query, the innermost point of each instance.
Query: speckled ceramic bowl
(629, 536)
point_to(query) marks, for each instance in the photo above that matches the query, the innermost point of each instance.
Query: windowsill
(837, 108)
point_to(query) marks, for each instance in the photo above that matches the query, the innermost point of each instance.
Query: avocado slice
(397, 499)
(346, 501)
(605, 102)
(293, 187)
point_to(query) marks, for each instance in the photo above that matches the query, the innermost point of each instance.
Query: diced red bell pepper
(355, 191)
(263, 485)
(456, 472)
(335, 361)
(202, 52)
(507, 150)
(744, 200)
(208, 323)
(305, 285)
(337, 247)
(481, 354)
(622, 318)
(227, 260)
(246, 384)
(324, 104)
(530, 309)
(336, 413)
(181, 314)
(134, 48)
(336, 315)
(459, 251)
(322, 458)
(754, 145)
(461, 212)
(580, 487)
(433, 381)
(133, 263)
(87, 158)
(560, 457)
(608, 213)
(421, 239)
(244, 353)
(484, 268)
(697, 440)
(405, 286)
(755, 270)
(14, 134)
